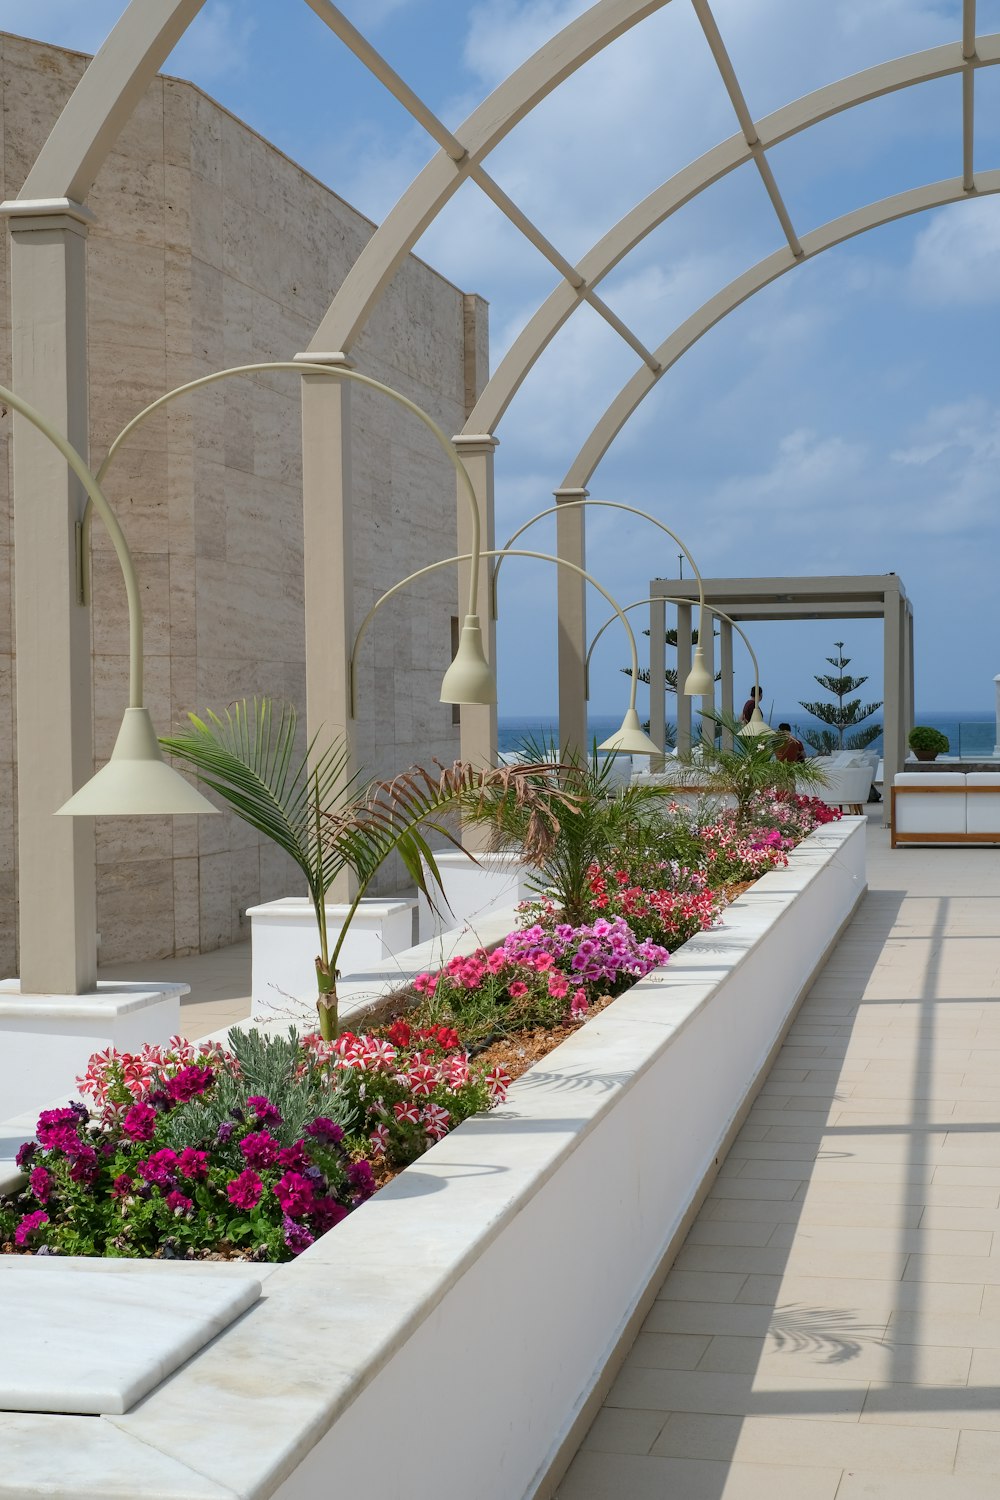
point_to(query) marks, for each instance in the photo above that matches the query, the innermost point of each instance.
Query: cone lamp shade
(756, 724)
(630, 739)
(136, 780)
(698, 683)
(470, 677)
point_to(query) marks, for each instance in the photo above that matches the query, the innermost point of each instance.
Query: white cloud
(954, 261)
(218, 42)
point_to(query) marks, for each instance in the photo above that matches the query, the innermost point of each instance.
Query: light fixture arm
(301, 367)
(608, 505)
(498, 552)
(96, 500)
(668, 600)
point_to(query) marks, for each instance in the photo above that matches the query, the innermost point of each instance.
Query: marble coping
(237, 1420)
(111, 999)
(95, 1342)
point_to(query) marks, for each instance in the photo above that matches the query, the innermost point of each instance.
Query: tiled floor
(220, 986)
(831, 1328)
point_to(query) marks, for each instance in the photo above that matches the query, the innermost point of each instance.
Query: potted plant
(928, 743)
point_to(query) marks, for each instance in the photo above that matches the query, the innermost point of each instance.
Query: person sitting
(790, 749)
(756, 694)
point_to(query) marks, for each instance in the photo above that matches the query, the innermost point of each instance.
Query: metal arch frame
(684, 186)
(143, 37)
(848, 226)
(711, 611)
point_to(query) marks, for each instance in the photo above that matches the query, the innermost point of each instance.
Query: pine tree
(841, 716)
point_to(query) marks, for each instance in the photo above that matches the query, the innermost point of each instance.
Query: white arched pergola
(48, 224)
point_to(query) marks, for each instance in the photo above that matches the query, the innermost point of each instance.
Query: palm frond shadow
(797, 1327)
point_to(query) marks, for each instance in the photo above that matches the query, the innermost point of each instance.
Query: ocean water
(971, 732)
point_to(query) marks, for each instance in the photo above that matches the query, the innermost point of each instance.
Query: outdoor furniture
(945, 807)
(849, 780)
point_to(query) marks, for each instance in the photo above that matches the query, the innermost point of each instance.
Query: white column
(572, 595)
(892, 758)
(706, 640)
(657, 679)
(726, 667)
(683, 669)
(57, 920)
(328, 530)
(996, 690)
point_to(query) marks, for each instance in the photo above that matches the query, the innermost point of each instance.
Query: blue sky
(846, 419)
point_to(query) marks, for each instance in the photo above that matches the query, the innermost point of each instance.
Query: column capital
(28, 215)
(572, 494)
(476, 442)
(308, 358)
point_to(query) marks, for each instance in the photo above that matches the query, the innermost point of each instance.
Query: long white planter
(450, 1338)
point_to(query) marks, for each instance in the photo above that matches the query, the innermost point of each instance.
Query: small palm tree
(747, 770)
(596, 819)
(327, 823)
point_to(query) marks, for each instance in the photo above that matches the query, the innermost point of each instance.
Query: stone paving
(831, 1328)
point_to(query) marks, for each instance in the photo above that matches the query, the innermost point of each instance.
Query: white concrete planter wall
(284, 940)
(473, 890)
(449, 1339)
(46, 1040)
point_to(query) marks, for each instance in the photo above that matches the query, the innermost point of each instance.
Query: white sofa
(849, 779)
(945, 807)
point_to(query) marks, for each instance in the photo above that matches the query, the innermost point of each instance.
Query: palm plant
(328, 823)
(596, 819)
(747, 770)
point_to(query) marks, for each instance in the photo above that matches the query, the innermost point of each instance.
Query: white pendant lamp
(470, 677)
(136, 780)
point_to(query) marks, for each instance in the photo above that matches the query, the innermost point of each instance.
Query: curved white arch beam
(103, 100)
(484, 129)
(792, 119)
(871, 216)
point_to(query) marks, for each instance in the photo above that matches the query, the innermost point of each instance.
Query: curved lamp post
(136, 779)
(756, 724)
(470, 664)
(699, 682)
(467, 687)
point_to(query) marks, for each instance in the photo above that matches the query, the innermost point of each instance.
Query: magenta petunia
(266, 1112)
(294, 1156)
(139, 1123)
(179, 1205)
(260, 1149)
(122, 1186)
(40, 1183)
(325, 1130)
(28, 1226)
(295, 1194)
(244, 1191)
(193, 1164)
(189, 1083)
(160, 1169)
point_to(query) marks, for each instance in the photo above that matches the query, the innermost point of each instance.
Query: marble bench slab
(94, 1342)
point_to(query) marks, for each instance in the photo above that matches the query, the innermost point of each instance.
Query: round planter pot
(925, 754)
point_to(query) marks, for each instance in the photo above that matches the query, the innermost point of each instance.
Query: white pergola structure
(48, 224)
(866, 597)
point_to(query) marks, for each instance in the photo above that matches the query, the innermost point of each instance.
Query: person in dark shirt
(756, 694)
(790, 748)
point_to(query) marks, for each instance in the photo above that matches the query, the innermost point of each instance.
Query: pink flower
(296, 1195)
(40, 1183)
(179, 1206)
(436, 1120)
(379, 1138)
(122, 1186)
(28, 1226)
(188, 1083)
(193, 1164)
(517, 989)
(558, 986)
(244, 1191)
(294, 1156)
(266, 1112)
(260, 1149)
(578, 1004)
(160, 1168)
(497, 1081)
(59, 1129)
(139, 1123)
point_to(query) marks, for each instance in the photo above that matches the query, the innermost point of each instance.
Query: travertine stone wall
(211, 249)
